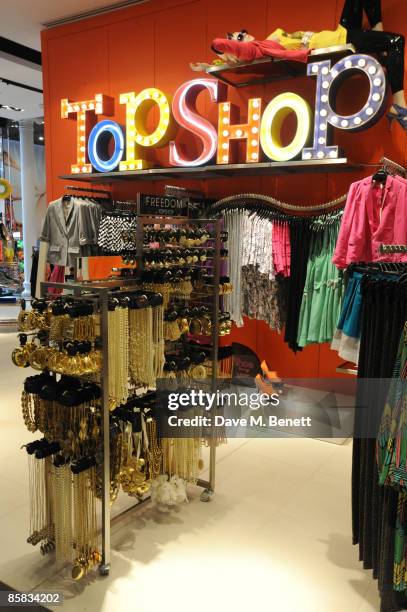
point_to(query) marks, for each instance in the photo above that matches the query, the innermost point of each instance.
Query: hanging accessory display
(98, 352)
(41, 519)
(153, 450)
(133, 475)
(61, 478)
(141, 351)
(118, 353)
(84, 533)
(30, 407)
(158, 339)
(168, 491)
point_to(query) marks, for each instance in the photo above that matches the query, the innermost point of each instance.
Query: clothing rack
(87, 190)
(385, 267)
(255, 201)
(236, 201)
(392, 167)
(391, 269)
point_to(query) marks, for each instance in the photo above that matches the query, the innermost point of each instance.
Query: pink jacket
(374, 215)
(256, 49)
(281, 248)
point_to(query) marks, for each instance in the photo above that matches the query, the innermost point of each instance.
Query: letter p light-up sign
(105, 146)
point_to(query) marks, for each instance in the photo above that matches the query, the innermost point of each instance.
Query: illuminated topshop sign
(261, 132)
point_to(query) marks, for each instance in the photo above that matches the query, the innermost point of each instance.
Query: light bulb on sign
(240, 131)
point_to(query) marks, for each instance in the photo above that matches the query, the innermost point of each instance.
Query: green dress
(392, 457)
(323, 291)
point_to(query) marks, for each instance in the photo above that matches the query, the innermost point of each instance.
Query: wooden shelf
(217, 171)
(270, 69)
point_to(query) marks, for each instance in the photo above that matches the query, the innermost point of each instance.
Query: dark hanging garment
(374, 507)
(34, 271)
(300, 238)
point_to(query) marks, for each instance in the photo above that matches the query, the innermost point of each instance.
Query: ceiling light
(92, 13)
(22, 85)
(12, 108)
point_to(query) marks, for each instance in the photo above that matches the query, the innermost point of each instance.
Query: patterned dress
(392, 457)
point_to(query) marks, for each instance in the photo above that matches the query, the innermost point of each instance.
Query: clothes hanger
(402, 280)
(380, 176)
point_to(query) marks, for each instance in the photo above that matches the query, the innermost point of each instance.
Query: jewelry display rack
(100, 292)
(142, 221)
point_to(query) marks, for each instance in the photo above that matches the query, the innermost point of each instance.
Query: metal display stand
(270, 69)
(217, 171)
(209, 486)
(100, 292)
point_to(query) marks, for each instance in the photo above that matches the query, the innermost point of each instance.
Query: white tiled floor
(277, 534)
(9, 312)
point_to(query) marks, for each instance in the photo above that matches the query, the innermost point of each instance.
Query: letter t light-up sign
(99, 105)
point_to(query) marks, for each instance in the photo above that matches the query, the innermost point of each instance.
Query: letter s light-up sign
(108, 147)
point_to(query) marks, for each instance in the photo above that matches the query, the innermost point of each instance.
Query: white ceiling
(21, 21)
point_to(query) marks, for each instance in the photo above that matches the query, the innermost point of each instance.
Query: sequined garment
(262, 298)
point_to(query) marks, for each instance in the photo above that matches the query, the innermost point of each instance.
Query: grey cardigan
(62, 234)
(73, 235)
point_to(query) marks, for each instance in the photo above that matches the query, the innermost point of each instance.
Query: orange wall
(151, 45)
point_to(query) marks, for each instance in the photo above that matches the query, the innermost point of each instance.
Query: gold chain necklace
(141, 347)
(154, 452)
(85, 523)
(118, 356)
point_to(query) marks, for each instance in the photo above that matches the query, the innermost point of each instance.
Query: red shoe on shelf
(264, 386)
(269, 374)
(272, 378)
